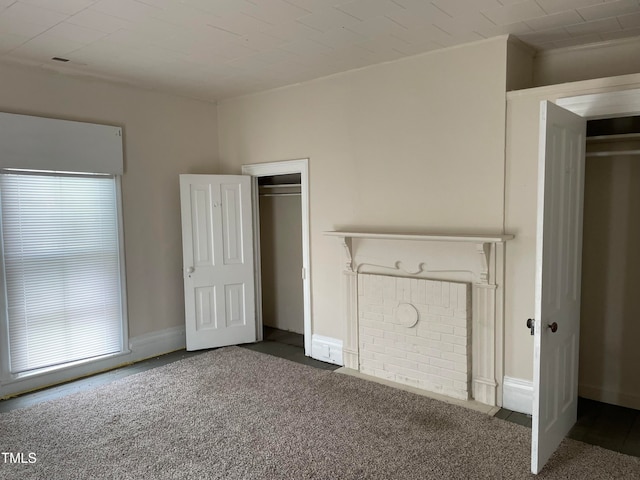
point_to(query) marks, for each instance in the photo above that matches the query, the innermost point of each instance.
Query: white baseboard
(326, 349)
(517, 395)
(140, 347)
(157, 343)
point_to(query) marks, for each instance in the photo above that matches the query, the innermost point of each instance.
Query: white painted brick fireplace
(426, 311)
(416, 332)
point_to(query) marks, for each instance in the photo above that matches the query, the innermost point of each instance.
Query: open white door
(558, 270)
(217, 260)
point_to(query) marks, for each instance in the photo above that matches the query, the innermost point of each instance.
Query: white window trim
(11, 384)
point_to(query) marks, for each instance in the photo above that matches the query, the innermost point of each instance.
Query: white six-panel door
(558, 270)
(217, 260)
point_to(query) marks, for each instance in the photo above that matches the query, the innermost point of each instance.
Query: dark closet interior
(281, 252)
(610, 311)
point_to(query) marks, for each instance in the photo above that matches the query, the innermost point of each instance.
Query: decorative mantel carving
(436, 256)
(483, 244)
(346, 243)
(484, 249)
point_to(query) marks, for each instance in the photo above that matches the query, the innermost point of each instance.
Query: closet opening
(281, 258)
(610, 304)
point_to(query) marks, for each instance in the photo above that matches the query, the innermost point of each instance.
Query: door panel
(232, 224)
(201, 223)
(558, 269)
(206, 317)
(234, 296)
(217, 260)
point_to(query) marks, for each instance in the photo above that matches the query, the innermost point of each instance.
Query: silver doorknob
(191, 270)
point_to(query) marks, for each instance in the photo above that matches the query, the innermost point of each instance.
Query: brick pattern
(435, 353)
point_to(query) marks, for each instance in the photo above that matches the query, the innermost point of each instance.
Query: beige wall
(163, 137)
(281, 262)
(523, 109)
(412, 145)
(599, 60)
(519, 65)
(609, 327)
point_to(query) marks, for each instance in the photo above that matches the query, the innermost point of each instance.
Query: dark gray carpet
(237, 414)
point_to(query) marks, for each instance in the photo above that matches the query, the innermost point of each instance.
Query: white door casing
(217, 260)
(284, 167)
(558, 270)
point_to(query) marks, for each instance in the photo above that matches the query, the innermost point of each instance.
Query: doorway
(281, 206)
(608, 387)
(280, 211)
(610, 264)
(558, 260)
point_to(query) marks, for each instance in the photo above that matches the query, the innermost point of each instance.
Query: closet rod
(613, 138)
(279, 194)
(282, 185)
(612, 153)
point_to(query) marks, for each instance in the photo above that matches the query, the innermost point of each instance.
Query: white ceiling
(214, 49)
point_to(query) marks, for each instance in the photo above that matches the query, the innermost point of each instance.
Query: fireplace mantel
(477, 259)
(435, 237)
(483, 243)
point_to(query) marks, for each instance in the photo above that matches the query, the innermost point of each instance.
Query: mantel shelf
(437, 237)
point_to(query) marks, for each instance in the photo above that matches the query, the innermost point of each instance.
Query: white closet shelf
(287, 190)
(280, 194)
(613, 145)
(282, 185)
(624, 137)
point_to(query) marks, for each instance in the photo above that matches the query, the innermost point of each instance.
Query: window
(61, 265)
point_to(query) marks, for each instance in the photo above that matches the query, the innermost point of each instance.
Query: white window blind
(61, 268)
